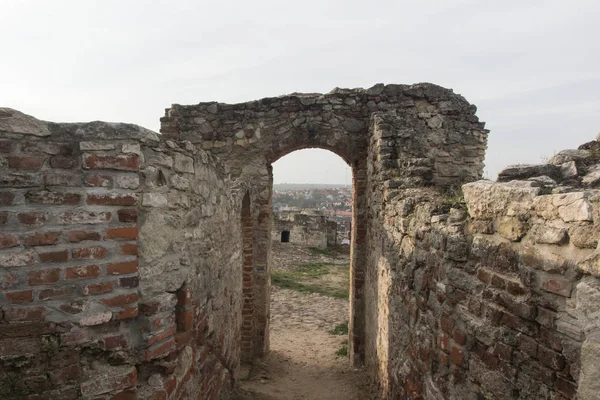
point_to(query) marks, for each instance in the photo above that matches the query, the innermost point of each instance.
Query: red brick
(62, 162)
(32, 218)
(26, 329)
(64, 358)
(127, 267)
(54, 293)
(7, 241)
(567, 388)
(456, 355)
(74, 338)
(43, 277)
(127, 215)
(19, 179)
(170, 384)
(127, 395)
(14, 347)
(160, 350)
(24, 314)
(498, 282)
(185, 319)
(6, 198)
(484, 276)
(127, 312)
(55, 256)
(88, 271)
(114, 342)
(130, 249)
(52, 148)
(160, 336)
(66, 374)
(112, 199)
(26, 163)
(5, 146)
(89, 253)
(128, 162)
(444, 342)
(39, 383)
(97, 288)
(129, 282)
(150, 308)
(528, 345)
(24, 296)
(78, 236)
(98, 180)
(129, 233)
(551, 358)
(42, 239)
(184, 297)
(460, 337)
(446, 324)
(559, 286)
(515, 289)
(53, 198)
(545, 317)
(120, 300)
(503, 351)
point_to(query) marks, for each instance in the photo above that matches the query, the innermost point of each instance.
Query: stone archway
(400, 136)
(357, 249)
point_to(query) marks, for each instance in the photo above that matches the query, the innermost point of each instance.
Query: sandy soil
(302, 363)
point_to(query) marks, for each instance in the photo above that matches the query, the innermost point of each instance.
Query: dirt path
(303, 363)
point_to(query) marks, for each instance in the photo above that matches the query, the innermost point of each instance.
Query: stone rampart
(490, 297)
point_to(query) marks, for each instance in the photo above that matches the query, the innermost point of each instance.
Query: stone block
(183, 163)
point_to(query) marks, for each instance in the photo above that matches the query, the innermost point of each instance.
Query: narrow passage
(309, 314)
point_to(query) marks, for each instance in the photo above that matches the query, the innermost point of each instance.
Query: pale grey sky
(531, 67)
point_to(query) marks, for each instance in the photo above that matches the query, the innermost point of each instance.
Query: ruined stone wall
(493, 299)
(84, 312)
(447, 146)
(306, 230)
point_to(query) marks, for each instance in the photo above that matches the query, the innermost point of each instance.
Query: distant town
(322, 199)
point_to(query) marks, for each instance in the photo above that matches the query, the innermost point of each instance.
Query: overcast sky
(532, 67)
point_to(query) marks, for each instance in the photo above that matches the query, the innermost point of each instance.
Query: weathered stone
(592, 178)
(154, 200)
(183, 163)
(566, 156)
(584, 236)
(589, 378)
(543, 181)
(17, 122)
(487, 199)
(547, 234)
(573, 206)
(525, 171)
(127, 181)
(568, 170)
(510, 228)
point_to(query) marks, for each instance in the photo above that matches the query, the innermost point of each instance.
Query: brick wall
(111, 241)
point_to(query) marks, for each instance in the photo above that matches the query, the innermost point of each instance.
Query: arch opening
(314, 207)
